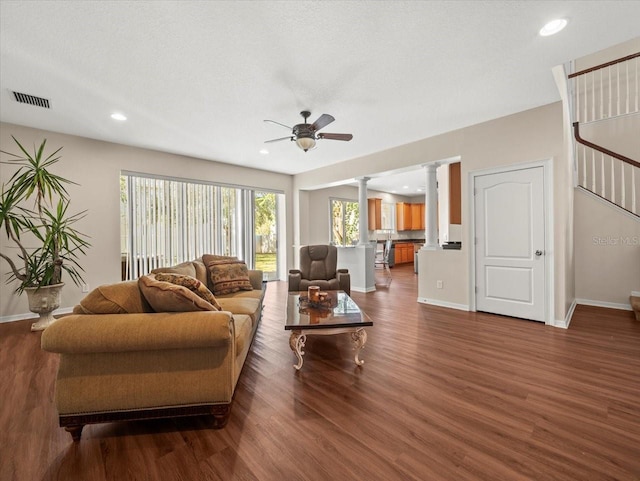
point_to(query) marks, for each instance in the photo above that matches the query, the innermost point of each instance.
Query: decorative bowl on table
(324, 301)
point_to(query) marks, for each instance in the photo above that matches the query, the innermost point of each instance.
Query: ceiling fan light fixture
(305, 134)
(306, 143)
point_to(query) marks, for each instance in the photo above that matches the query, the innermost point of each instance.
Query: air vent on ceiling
(31, 100)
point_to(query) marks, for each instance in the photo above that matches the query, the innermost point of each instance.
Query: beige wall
(446, 266)
(607, 247)
(96, 167)
(318, 216)
(608, 54)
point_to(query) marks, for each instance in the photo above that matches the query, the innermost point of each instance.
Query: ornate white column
(360, 261)
(431, 208)
(363, 225)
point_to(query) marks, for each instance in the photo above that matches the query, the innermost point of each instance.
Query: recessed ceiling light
(405, 186)
(419, 190)
(117, 116)
(393, 191)
(264, 151)
(553, 27)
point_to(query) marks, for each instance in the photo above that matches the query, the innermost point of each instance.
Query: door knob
(538, 253)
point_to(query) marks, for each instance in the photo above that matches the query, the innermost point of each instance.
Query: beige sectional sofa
(121, 359)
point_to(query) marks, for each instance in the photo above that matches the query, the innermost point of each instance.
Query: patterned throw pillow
(191, 283)
(209, 258)
(164, 296)
(228, 275)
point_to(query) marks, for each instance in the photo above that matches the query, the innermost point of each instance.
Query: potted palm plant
(46, 240)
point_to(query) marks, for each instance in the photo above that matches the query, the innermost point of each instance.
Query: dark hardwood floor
(443, 395)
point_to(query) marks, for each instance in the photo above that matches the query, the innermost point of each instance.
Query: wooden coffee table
(340, 314)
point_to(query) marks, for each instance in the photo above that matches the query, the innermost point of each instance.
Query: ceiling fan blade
(277, 140)
(323, 121)
(346, 137)
(278, 123)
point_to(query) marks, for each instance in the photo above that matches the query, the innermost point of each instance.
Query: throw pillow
(186, 269)
(228, 276)
(191, 283)
(209, 258)
(168, 297)
(118, 298)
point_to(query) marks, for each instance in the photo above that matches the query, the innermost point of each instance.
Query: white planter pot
(44, 301)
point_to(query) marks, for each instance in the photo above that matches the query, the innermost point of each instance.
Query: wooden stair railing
(602, 93)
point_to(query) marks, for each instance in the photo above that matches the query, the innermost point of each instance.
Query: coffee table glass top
(339, 311)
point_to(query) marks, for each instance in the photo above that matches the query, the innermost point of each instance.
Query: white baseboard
(451, 305)
(635, 293)
(610, 305)
(564, 323)
(31, 315)
(363, 289)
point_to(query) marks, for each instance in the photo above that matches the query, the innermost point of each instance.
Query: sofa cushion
(254, 294)
(191, 283)
(119, 298)
(201, 272)
(185, 269)
(241, 305)
(168, 297)
(228, 275)
(243, 330)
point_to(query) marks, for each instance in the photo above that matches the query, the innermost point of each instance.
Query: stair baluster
(601, 96)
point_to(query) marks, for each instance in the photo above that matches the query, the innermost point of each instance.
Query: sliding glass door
(266, 233)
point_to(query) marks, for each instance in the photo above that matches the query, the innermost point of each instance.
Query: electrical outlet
(439, 284)
(85, 287)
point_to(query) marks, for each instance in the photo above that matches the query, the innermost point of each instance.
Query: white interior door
(510, 243)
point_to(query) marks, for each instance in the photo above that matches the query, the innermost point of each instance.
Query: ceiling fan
(305, 135)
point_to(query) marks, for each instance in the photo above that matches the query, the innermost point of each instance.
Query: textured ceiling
(198, 78)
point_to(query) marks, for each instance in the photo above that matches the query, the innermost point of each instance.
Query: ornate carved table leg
(359, 339)
(296, 342)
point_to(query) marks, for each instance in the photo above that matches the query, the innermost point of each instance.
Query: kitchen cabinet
(455, 194)
(374, 207)
(403, 216)
(409, 216)
(403, 252)
(417, 216)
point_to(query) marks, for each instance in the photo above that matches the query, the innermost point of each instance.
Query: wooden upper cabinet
(403, 216)
(417, 216)
(455, 194)
(374, 208)
(409, 216)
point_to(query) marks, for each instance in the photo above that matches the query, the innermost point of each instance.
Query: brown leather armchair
(318, 268)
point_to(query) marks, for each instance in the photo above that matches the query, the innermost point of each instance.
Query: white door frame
(549, 276)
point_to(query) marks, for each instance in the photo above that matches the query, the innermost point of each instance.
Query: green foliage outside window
(265, 213)
(344, 222)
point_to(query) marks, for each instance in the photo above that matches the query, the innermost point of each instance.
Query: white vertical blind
(166, 222)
